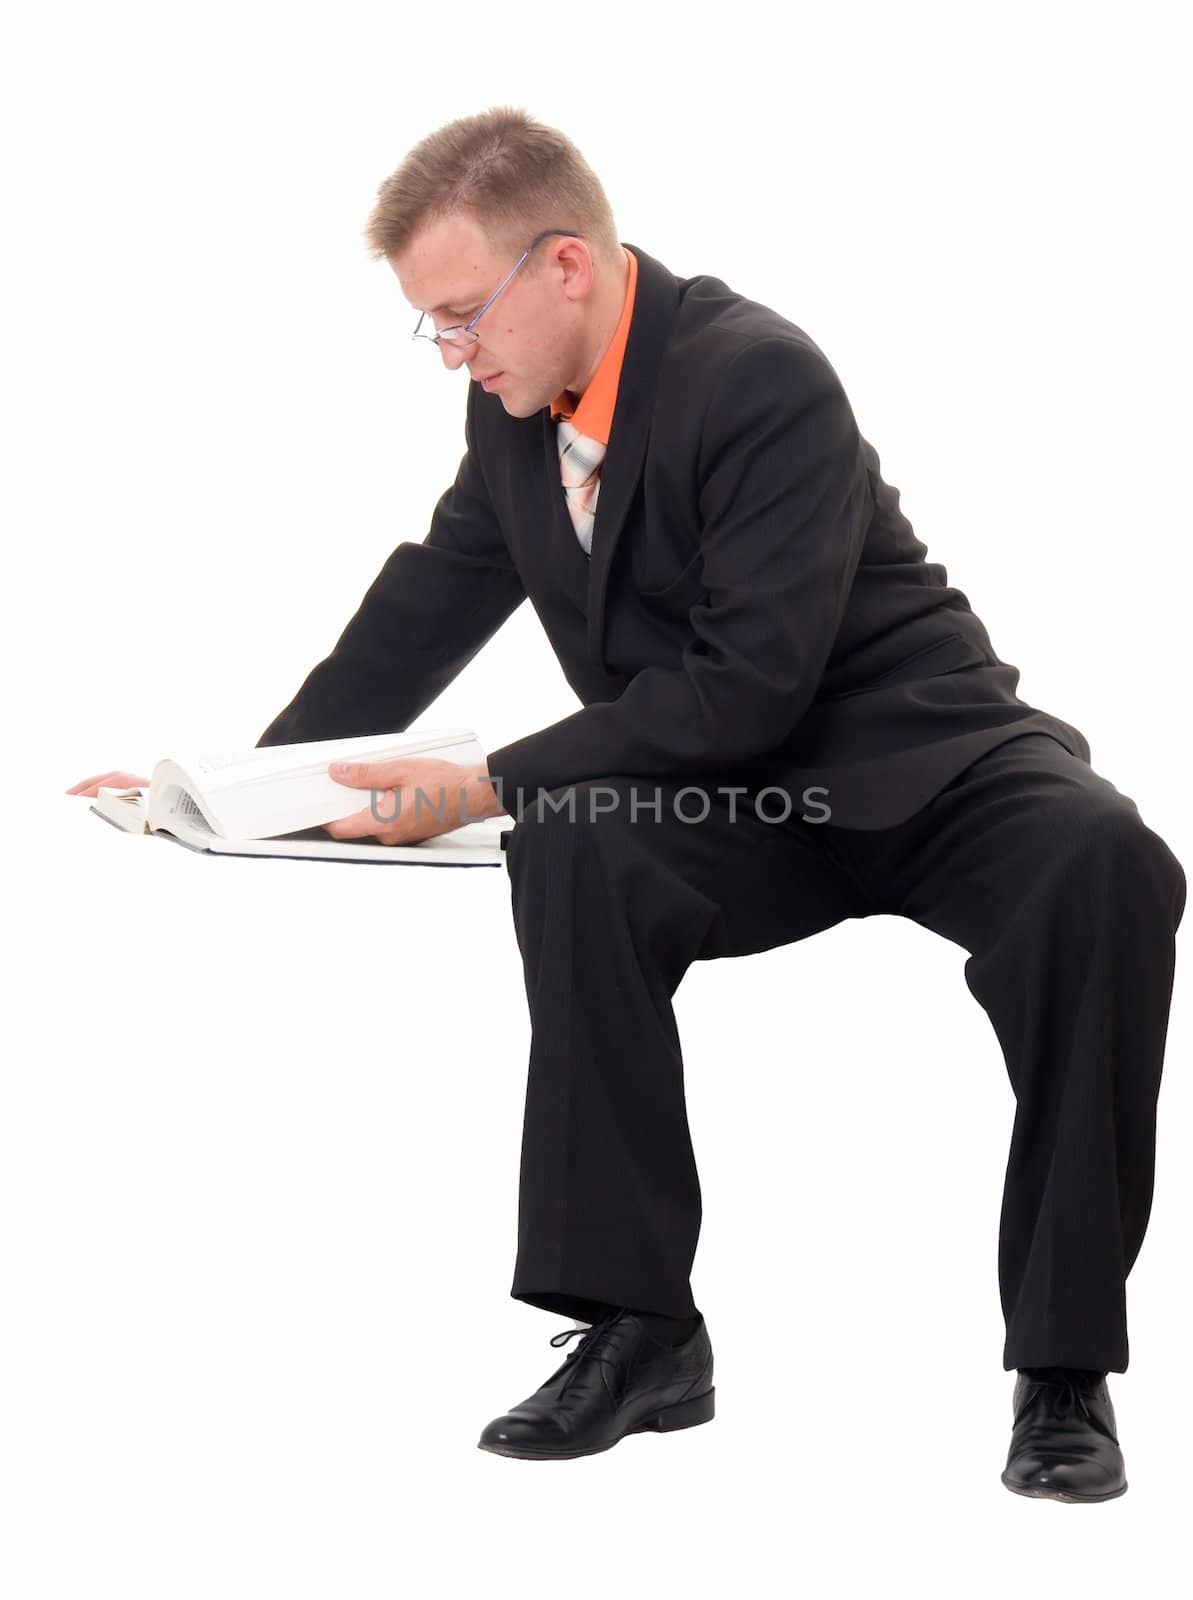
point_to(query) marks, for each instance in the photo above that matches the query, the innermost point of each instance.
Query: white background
(261, 1120)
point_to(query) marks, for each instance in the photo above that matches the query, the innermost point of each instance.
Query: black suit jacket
(756, 609)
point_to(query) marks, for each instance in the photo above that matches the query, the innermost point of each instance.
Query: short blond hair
(516, 177)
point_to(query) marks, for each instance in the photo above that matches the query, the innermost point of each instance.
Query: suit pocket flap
(949, 654)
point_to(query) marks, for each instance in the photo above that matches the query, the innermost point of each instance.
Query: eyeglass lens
(456, 335)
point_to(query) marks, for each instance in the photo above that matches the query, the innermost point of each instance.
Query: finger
(360, 825)
(369, 774)
(89, 785)
(108, 780)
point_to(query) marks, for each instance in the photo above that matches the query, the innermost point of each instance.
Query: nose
(454, 354)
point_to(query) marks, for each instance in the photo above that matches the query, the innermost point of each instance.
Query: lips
(493, 376)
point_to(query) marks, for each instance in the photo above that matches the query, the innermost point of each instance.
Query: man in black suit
(788, 718)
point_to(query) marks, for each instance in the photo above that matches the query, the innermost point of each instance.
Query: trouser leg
(609, 913)
(1069, 905)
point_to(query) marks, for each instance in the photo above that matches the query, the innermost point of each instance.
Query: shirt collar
(592, 414)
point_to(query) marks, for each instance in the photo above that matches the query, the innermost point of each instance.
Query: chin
(516, 408)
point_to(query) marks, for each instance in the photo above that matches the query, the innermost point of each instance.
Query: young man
(788, 718)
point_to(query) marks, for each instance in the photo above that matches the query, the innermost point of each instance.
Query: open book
(274, 801)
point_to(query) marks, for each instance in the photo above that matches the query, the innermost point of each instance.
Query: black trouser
(1038, 867)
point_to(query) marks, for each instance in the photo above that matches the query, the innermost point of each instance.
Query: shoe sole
(1062, 1494)
(687, 1414)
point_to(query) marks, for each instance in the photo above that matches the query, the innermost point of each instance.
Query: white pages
(274, 801)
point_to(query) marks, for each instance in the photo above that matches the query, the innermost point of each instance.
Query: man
(788, 718)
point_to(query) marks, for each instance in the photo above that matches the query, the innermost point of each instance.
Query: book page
(124, 807)
(273, 761)
(281, 802)
(478, 844)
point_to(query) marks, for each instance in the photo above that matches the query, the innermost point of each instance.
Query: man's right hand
(109, 780)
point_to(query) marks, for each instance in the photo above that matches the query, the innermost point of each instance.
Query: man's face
(532, 334)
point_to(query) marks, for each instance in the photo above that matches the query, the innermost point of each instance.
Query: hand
(425, 798)
(109, 780)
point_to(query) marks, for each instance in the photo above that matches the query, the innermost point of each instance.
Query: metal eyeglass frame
(460, 333)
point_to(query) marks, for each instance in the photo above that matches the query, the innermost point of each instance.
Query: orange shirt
(593, 415)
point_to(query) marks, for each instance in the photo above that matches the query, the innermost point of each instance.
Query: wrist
(486, 802)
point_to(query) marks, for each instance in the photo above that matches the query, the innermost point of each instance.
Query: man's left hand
(413, 798)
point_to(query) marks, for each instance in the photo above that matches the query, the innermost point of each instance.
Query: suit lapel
(656, 298)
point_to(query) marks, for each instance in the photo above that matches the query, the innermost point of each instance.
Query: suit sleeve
(784, 502)
(426, 614)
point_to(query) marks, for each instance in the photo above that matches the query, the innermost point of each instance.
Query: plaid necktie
(580, 469)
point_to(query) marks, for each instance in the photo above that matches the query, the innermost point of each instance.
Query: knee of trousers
(559, 828)
(604, 805)
(1115, 839)
(1169, 871)
(606, 837)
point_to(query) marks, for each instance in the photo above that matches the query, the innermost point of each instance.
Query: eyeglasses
(461, 333)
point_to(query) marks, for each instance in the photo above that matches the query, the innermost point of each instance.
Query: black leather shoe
(1064, 1444)
(617, 1380)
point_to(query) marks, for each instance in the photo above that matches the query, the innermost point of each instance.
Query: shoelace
(1069, 1398)
(589, 1340)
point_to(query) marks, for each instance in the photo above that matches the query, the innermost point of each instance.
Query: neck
(608, 303)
